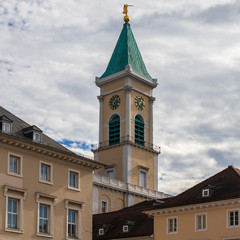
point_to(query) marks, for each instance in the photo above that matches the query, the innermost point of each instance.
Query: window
(5, 124)
(36, 137)
(14, 164)
(201, 222)
(139, 130)
(74, 209)
(12, 212)
(233, 218)
(103, 206)
(73, 179)
(205, 193)
(14, 209)
(125, 228)
(45, 204)
(114, 130)
(45, 172)
(143, 175)
(101, 231)
(6, 127)
(172, 225)
(110, 172)
(72, 223)
(44, 218)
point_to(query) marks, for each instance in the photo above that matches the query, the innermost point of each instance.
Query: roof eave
(193, 207)
(49, 151)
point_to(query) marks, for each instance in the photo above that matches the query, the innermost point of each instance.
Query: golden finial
(125, 11)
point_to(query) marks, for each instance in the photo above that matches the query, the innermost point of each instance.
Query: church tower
(125, 130)
(126, 116)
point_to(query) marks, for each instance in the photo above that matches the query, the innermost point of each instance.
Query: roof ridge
(236, 170)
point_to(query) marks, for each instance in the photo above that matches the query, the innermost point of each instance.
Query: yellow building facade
(45, 189)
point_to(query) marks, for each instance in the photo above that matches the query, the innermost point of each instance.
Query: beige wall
(141, 157)
(140, 238)
(115, 200)
(59, 189)
(112, 156)
(216, 225)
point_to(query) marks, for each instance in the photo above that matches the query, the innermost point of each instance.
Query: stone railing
(127, 187)
(126, 140)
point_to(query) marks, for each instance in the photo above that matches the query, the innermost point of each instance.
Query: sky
(51, 52)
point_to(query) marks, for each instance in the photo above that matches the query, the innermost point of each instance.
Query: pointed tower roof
(126, 53)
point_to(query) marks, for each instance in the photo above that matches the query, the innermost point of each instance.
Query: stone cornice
(194, 207)
(48, 151)
(126, 72)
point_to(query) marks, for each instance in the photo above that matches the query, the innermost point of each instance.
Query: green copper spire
(126, 53)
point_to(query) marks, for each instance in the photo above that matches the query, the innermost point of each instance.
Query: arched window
(139, 130)
(114, 130)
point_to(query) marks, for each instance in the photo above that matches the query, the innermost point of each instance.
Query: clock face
(114, 102)
(139, 101)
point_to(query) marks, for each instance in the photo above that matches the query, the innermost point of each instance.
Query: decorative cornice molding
(100, 98)
(128, 88)
(195, 207)
(126, 72)
(49, 151)
(152, 99)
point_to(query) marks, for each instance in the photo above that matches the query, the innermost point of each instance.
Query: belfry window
(114, 130)
(139, 130)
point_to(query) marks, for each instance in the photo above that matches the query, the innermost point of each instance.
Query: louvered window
(114, 130)
(139, 130)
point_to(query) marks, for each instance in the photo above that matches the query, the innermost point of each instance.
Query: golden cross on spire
(125, 11)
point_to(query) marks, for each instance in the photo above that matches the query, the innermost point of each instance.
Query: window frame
(75, 206)
(19, 195)
(144, 170)
(49, 201)
(125, 228)
(205, 192)
(202, 228)
(101, 231)
(50, 165)
(4, 124)
(106, 206)
(169, 231)
(20, 158)
(114, 130)
(36, 134)
(110, 169)
(77, 180)
(228, 218)
(139, 130)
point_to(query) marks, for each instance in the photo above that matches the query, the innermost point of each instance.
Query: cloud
(51, 52)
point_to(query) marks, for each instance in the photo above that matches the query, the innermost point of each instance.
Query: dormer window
(101, 231)
(125, 228)
(205, 193)
(128, 226)
(34, 133)
(5, 124)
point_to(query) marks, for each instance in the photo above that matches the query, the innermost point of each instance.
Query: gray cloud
(51, 52)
